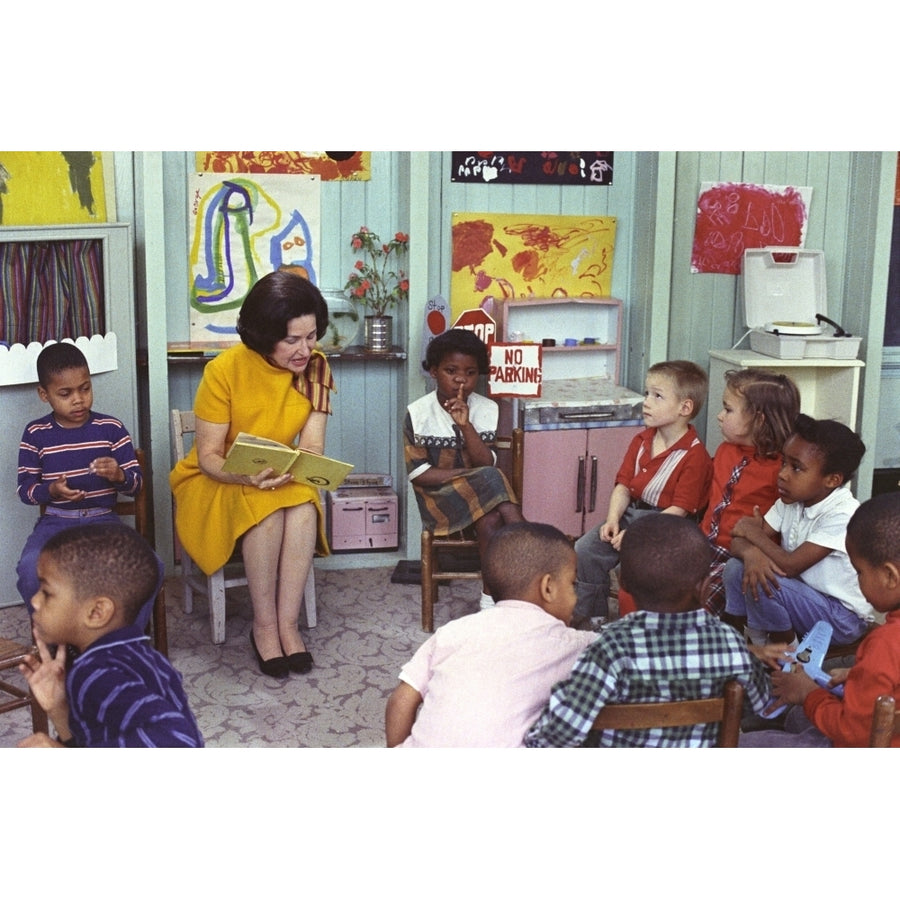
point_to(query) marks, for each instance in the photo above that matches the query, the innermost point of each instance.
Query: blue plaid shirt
(649, 657)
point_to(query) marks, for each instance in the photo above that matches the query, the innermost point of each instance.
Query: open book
(250, 454)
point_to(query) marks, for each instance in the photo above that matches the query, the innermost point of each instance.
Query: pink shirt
(486, 677)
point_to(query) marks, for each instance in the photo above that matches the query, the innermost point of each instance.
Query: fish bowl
(343, 323)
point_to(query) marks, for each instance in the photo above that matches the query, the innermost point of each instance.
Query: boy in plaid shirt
(669, 649)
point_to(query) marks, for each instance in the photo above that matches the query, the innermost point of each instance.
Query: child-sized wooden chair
(725, 709)
(885, 722)
(12, 696)
(436, 547)
(214, 586)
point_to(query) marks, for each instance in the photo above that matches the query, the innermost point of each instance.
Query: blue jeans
(596, 558)
(798, 732)
(793, 605)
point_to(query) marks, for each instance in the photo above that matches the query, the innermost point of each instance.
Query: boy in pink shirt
(480, 681)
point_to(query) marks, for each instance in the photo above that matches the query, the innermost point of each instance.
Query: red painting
(732, 218)
(329, 165)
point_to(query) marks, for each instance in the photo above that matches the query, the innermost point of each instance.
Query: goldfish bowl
(343, 323)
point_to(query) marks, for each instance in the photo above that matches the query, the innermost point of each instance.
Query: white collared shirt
(825, 524)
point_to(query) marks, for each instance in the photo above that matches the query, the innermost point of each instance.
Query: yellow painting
(510, 255)
(49, 187)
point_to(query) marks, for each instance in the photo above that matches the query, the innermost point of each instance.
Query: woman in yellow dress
(273, 384)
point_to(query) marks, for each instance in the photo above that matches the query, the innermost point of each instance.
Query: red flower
(400, 237)
(359, 264)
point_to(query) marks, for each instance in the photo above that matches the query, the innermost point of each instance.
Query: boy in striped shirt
(118, 691)
(73, 461)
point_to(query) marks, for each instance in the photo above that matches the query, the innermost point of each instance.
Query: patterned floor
(367, 629)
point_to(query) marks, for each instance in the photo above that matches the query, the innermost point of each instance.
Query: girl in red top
(759, 408)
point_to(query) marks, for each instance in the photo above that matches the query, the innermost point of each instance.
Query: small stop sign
(480, 322)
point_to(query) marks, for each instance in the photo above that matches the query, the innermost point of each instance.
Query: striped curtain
(51, 290)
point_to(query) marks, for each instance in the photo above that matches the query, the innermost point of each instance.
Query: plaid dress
(432, 439)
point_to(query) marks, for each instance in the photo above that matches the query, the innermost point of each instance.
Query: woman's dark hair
(456, 340)
(272, 302)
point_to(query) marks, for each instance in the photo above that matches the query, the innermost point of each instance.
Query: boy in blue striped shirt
(119, 691)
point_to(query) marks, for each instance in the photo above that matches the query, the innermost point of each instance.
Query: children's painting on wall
(240, 229)
(50, 187)
(584, 167)
(732, 218)
(329, 165)
(509, 255)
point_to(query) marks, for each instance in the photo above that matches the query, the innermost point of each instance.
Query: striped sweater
(47, 452)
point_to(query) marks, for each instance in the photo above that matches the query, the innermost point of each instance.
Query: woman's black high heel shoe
(277, 667)
(300, 663)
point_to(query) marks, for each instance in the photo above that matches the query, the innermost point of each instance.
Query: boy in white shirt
(791, 567)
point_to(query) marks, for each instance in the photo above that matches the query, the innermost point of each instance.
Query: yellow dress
(240, 388)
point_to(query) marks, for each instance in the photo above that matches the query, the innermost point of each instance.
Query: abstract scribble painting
(733, 217)
(49, 187)
(240, 229)
(509, 255)
(329, 165)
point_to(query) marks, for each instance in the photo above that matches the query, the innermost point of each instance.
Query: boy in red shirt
(824, 719)
(666, 469)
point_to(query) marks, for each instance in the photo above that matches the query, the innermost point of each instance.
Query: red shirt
(679, 476)
(756, 487)
(848, 721)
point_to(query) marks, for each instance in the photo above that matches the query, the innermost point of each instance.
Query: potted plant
(375, 284)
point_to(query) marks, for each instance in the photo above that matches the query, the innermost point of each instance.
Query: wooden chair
(137, 508)
(12, 696)
(725, 709)
(433, 547)
(885, 722)
(214, 586)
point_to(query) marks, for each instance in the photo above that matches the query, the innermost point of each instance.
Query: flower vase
(378, 333)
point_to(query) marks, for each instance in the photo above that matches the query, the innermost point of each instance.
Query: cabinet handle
(593, 484)
(594, 416)
(579, 490)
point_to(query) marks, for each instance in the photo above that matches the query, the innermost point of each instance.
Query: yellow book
(250, 454)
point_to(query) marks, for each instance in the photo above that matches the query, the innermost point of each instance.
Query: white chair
(214, 586)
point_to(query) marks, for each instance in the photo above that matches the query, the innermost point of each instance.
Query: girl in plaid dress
(759, 408)
(448, 438)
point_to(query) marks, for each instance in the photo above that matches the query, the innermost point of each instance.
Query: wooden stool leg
(427, 581)
(160, 626)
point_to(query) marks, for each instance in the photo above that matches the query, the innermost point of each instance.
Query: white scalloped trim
(18, 363)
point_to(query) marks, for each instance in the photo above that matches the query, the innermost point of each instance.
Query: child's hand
(616, 541)
(458, 408)
(773, 655)
(838, 676)
(39, 739)
(46, 677)
(608, 531)
(60, 490)
(106, 467)
(759, 574)
(748, 524)
(794, 686)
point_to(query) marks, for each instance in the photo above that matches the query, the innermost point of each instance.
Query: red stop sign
(480, 322)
